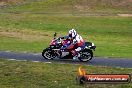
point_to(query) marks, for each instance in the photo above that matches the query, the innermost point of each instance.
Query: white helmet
(72, 33)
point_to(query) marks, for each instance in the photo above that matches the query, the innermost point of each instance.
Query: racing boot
(75, 57)
(75, 54)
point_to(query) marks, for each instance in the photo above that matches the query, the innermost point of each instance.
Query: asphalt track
(96, 61)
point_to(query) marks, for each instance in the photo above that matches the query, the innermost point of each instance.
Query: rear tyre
(86, 55)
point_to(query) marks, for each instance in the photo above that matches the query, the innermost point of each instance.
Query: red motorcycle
(58, 50)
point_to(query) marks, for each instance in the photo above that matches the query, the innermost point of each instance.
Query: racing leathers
(76, 41)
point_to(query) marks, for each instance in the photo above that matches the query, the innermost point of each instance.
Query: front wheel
(47, 54)
(86, 55)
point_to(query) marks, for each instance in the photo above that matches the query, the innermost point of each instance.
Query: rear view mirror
(55, 34)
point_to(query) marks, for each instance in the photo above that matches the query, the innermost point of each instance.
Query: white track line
(36, 54)
(48, 62)
(11, 59)
(31, 61)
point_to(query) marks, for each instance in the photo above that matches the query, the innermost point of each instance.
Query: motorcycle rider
(77, 40)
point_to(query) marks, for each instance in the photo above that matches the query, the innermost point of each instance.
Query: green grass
(70, 6)
(111, 35)
(27, 74)
(18, 45)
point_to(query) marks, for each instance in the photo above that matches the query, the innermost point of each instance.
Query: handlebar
(60, 39)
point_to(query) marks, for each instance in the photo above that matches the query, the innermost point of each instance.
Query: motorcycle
(55, 51)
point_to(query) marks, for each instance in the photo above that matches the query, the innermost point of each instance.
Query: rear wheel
(86, 55)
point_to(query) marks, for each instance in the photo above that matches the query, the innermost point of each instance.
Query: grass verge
(21, 74)
(68, 6)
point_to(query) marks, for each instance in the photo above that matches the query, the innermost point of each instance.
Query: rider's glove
(61, 38)
(58, 38)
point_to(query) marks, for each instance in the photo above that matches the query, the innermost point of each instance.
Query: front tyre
(86, 55)
(47, 54)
